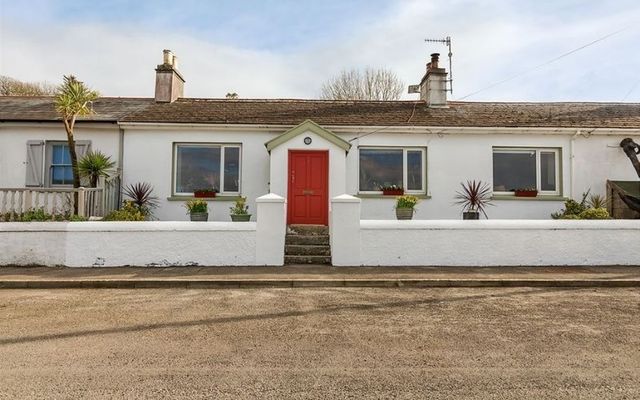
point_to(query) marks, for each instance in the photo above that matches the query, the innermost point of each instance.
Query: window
(206, 166)
(526, 168)
(404, 167)
(61, 170)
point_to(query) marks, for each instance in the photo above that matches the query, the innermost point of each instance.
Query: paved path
(317, 276)
(508, 343)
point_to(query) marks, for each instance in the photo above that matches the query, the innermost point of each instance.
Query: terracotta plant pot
(392, 192)
(240, 217)
(202, 216)
(404, 213)
(526, 193)
(204, 193)
(471, 215)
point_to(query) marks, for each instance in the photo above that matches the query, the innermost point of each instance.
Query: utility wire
(544, 63)
(633, 87)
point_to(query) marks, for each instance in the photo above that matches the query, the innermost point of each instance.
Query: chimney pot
(434, 60)
(167, 57)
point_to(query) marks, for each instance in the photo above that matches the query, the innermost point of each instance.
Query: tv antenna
(447, 42)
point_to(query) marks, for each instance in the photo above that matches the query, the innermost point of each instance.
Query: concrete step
(307, 259)
(308, 230)
(306, 250)
(318, 240)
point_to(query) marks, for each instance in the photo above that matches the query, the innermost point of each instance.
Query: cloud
(491, 40)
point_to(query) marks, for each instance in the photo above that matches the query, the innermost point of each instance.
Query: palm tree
(72, 101)
(93, 165)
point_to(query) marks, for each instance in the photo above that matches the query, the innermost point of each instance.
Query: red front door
(308, 191)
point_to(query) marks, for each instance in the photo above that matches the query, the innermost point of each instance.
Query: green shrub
(77, 218)
(37, 215)
(129, 212)
(569, 216)
(594, 213)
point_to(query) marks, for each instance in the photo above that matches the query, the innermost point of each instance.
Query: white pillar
(345, 231)
(271, 229)
(81, 202)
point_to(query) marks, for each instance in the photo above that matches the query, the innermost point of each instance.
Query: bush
(594, 213)
(37, 215)
(129, 212)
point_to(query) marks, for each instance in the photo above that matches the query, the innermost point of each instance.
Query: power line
(633, 87)
(544, 63)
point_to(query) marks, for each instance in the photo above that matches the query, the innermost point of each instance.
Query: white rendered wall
(151, 243)
(280, 161)
(499, 243)
(148, 157)
(14, 137)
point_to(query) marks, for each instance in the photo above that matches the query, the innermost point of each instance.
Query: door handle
(307, 192)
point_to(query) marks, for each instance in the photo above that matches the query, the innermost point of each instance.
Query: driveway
(321, 343)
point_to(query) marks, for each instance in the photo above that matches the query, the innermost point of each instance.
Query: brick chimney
(433, 86)
(169, 82)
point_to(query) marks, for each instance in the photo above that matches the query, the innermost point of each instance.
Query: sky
(288, 48)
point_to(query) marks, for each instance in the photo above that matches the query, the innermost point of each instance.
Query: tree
(72, 101)
(13, 87)
(370, 84)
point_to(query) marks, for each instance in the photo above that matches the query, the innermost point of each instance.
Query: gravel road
(321, 343)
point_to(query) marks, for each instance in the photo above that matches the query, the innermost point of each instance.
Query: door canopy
(308, 126)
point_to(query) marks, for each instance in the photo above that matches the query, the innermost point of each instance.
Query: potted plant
(240, 212)
(204, 193)
(526, 192)
(405, 206)
(392, 190)
(197, 210)
(473, 198)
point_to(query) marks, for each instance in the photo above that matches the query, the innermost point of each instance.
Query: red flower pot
(392, 192)
(526, 193)
(204, 193)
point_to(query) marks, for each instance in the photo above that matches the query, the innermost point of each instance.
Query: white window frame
(537, 150)
(222, 147)
(404, 149)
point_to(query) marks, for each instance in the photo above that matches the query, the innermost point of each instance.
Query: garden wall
(153, 243)
(479, 243)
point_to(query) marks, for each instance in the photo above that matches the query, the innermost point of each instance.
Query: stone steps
(307, 259)
(307, 239)
(307, 250)
(307, 244)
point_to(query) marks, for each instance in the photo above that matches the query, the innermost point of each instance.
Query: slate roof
(326, 112)
(41, 108)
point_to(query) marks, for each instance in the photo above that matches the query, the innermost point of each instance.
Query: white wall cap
(345, 198)
(504, 224)
(122, 226)
(270, 198)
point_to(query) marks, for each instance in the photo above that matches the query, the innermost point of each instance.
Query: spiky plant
(474, 196)
(141, 195)
(95, 164)
(597, 201)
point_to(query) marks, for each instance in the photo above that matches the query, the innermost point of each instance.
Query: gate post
(345, 231)
(271, 229)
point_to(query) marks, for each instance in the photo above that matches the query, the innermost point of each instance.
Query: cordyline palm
(475, 196)
(72, 101)
(93, 165)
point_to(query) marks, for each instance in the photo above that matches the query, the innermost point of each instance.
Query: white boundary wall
(153, 243)
(480, 243)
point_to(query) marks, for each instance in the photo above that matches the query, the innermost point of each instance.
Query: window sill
(217, 198)
(382, 196)
(537, 198)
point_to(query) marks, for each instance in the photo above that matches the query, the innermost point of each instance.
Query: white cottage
(310, 151)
